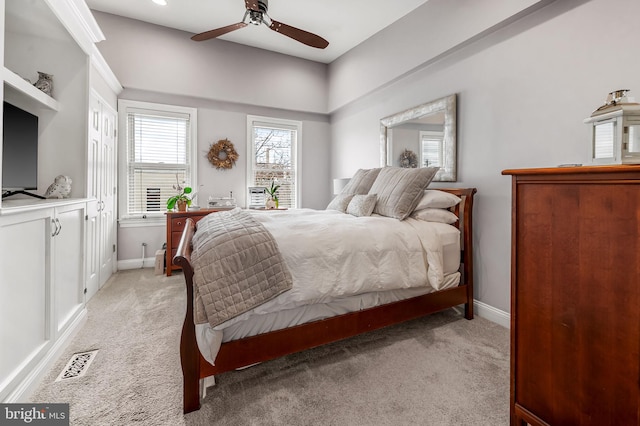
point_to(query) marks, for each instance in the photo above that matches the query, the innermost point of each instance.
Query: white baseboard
(23, 391)
(492, 314)
(149, 262)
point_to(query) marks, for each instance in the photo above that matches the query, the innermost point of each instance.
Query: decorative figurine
(45, 83)
(60, 188)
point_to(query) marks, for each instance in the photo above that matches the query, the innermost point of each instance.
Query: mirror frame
(448, 171)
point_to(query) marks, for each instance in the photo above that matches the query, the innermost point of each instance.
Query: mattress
(258, 321)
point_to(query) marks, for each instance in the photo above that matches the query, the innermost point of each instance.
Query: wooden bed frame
(264, 347)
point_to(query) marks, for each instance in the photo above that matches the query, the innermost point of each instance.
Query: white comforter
(332, 254)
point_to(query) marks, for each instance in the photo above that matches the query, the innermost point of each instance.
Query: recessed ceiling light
(160, 2)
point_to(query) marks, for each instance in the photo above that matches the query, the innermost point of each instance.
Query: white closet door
(93, 193)
(108, 192)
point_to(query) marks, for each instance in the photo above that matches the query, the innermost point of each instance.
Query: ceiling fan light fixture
(160, 2)
(255, 18)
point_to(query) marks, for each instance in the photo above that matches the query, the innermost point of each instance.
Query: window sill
(138, 222)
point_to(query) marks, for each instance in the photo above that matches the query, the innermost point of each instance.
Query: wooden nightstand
(175, 226)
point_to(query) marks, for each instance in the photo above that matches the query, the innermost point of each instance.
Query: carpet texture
(437, 370)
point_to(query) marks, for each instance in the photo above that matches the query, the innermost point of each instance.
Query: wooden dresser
(175, 226)
(575, 299)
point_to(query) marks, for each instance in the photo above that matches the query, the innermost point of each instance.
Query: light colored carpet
(437, 370)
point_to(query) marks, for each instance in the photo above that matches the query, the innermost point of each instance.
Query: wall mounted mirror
(423, 136)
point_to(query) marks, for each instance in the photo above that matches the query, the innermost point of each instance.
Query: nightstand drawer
(176, 222)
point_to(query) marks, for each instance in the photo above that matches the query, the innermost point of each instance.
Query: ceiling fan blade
(252, 5)
(218, 32)
(300, 35)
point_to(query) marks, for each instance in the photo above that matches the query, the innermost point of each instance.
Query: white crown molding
(77, 18)
(101, 65)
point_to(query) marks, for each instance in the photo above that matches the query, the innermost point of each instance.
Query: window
(274, 152)
(431, 148)
(158, 148)
(604, 137)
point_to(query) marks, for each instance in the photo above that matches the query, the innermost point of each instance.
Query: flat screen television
(19, 151)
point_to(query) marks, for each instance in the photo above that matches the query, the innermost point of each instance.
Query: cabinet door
(25, 294)
(68, 270)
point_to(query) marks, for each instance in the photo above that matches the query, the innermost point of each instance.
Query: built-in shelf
(22, 205)
(16, 85)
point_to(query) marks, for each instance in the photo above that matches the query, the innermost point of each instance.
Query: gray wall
(523, 92)
(225, 82)
(526, 74)
(423, 36)
(159, 59)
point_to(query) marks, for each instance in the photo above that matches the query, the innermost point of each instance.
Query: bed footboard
(189, 352)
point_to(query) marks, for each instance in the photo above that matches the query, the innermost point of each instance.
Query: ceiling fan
(257, 14)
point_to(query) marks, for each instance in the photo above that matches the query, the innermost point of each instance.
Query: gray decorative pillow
(362, 205)
(361, 181)
(340, 202)
(399, 190)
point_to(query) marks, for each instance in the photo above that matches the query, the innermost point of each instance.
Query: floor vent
(77, 365)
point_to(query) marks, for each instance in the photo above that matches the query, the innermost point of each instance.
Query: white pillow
(435, 215)
(436, 199)
(340, 202)
(362, 205)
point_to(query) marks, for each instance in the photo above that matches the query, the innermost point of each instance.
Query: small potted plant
(181, 200)
(273, 193)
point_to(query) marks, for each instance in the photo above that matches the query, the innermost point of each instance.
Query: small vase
(182, 205)
(271, 204)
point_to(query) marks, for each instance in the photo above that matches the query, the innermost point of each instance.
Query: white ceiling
(344, 23)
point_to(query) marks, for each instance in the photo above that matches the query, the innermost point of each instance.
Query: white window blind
(274, 149)
(431, 148)
(604, 134)
(159, 156)
(634, 139)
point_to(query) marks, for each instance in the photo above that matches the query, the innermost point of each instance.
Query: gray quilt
(237, 266)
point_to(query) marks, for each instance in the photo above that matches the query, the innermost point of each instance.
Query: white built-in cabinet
(42, 290)
(55, 254)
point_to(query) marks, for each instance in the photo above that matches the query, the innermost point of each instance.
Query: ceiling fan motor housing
(263, 5)
(256, 16)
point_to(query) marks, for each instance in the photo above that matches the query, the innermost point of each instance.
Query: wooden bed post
(467, 258)
(189, 352)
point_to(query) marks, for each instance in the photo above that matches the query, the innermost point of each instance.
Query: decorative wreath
(408, 159)
(222, 154)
